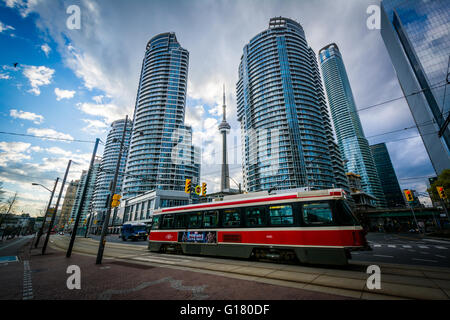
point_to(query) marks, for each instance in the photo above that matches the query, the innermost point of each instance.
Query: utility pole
(101, 246)
(56, 209)
(83, 197)
(41, 230)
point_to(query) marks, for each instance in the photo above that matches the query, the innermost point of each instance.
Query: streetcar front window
(317, 213)
(344, 214)
(155, 224)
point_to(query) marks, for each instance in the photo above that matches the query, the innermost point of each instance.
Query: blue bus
(134, 231)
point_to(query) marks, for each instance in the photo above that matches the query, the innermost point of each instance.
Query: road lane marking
(424, 260)
(383, 256)
(440, 256)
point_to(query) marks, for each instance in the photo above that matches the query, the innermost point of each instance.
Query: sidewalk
(44, 277)
(397, 281)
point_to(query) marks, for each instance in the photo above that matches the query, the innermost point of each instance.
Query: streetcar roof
(250, 200)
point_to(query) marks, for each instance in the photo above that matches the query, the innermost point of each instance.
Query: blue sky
(74, 83)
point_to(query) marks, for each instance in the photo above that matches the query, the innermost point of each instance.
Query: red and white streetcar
(315, 227)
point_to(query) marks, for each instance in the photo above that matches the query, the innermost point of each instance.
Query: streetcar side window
(195, 220)
(210, 219)
(155, 222)
(167, 221)
(231, 218)
(317, 213)
(281, 215)
(181, 221)
(255, 216)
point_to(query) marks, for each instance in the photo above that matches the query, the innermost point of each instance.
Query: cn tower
(224, 128)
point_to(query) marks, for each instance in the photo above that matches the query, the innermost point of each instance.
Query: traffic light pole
(83, 197)
(56, 209)
(41, 230)
(101, 246)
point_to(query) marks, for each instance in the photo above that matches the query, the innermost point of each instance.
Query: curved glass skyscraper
(109, 163)
(161, 155)
(286, 130)
(350, 135)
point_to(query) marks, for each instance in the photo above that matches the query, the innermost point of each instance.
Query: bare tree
(8, 207)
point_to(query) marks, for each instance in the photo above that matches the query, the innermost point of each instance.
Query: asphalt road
(405, 249)
(409, 249)
(11, 247)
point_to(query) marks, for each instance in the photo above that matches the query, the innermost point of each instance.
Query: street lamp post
(83, 197)
(41, 230)
(102, 242)
(56, 209)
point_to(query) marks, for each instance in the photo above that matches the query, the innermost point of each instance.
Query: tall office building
(87, 203)
(109, 164)
(388, 178)
(161, 154)
(350, 135)
(286, 130)
(417, 37)
(69, 199)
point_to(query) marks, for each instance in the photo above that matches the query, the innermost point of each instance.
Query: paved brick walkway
(117, 280)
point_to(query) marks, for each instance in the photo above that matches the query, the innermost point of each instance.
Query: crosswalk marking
(391, 246)
(423, 247)
(377, 245)
(439, 247)
(406, 246)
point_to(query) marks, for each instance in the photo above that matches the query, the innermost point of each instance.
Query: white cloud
(24, 7)
(4, 27)
(98, 99)
(95, 127)
(13, 152)
(64, 94)
(46, 48)
(38, 76)
(25, 115)
(50, 133)
(4, 76)
(110, 112)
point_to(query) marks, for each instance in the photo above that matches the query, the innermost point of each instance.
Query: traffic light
(441, 192)
(188, 186)
(116, 200)
(408, 195)
(204, 189)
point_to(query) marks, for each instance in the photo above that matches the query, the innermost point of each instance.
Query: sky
(72, 83)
